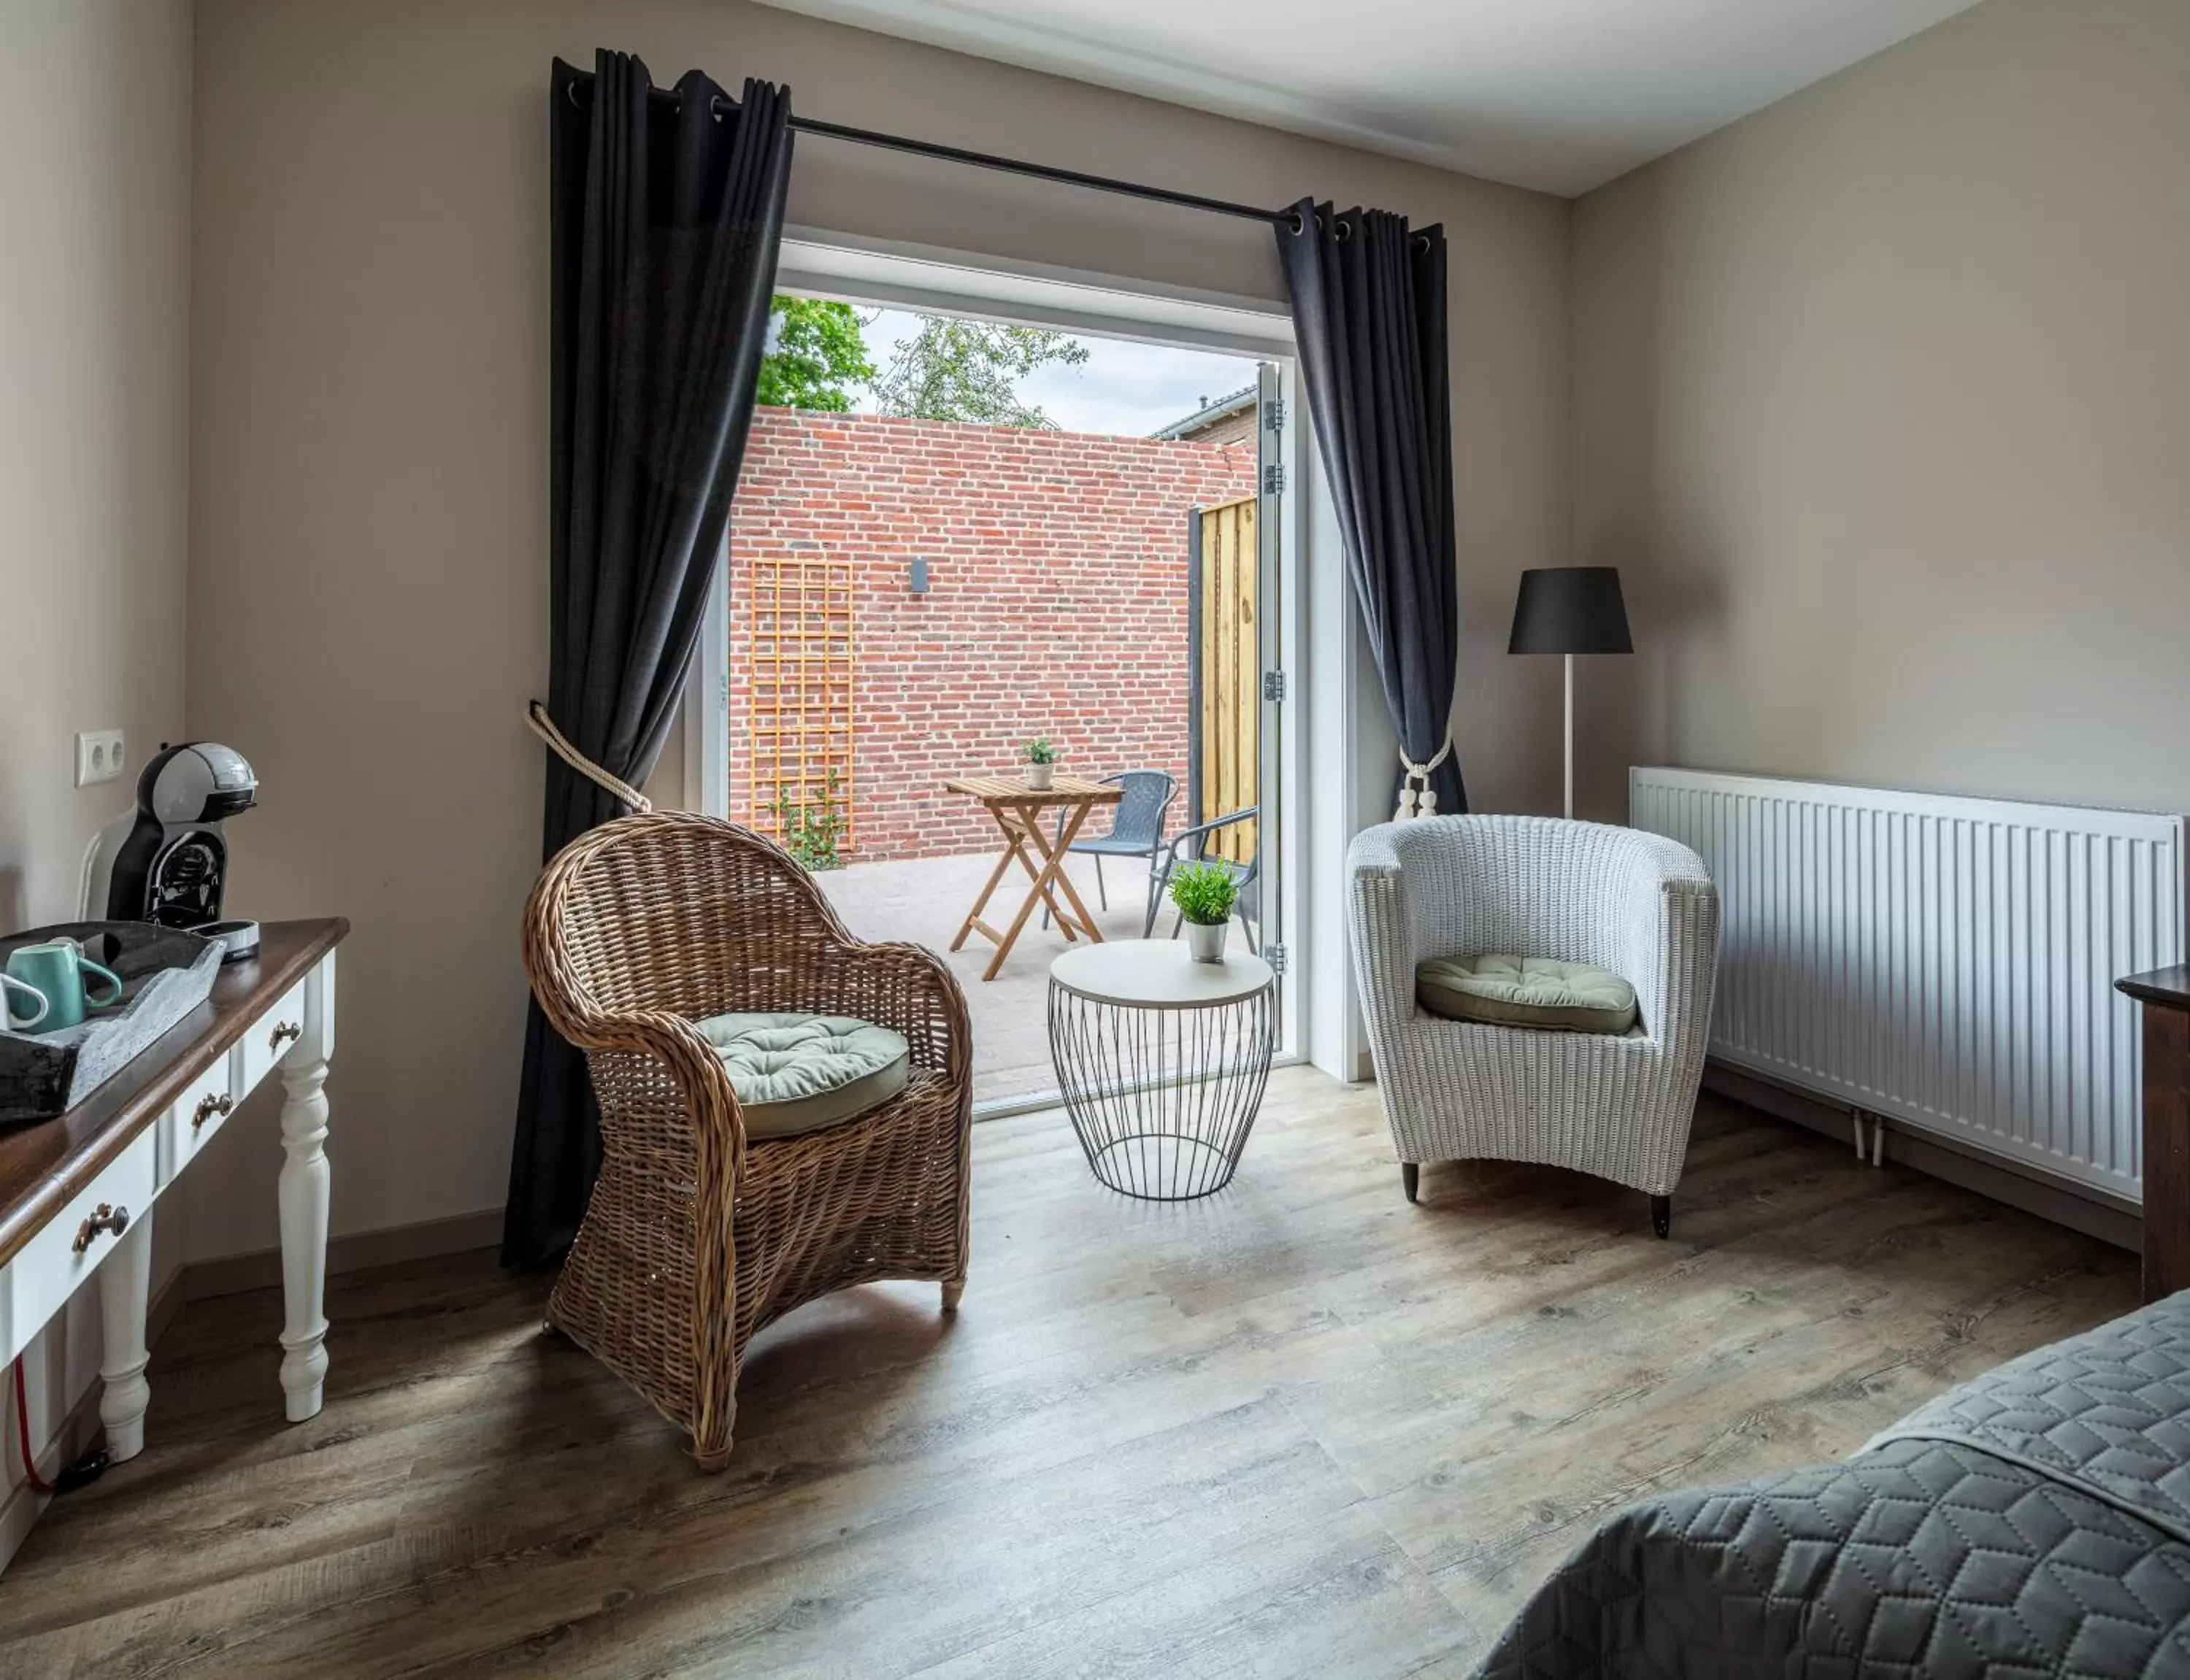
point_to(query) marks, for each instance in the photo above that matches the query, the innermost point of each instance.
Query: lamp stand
(1569, 735)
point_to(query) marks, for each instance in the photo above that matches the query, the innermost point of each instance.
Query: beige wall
(95, 314)
(369, 514)
(95, 318)
(1882, 403)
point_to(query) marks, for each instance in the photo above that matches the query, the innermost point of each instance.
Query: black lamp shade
(1571, 609)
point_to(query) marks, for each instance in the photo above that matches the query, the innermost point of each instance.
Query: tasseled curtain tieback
(1417, 798)
(544, 726)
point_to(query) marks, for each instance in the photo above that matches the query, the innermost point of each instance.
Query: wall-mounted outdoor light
(919, 574)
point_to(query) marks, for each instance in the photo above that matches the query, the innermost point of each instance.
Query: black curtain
(666, 219)
(1368, 305)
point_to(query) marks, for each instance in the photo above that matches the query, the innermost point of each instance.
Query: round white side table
(1162, 1060)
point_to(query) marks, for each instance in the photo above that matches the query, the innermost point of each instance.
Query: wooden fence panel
(1230, 674)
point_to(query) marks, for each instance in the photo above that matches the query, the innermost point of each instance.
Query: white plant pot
(1204, 941)
(1040, 776)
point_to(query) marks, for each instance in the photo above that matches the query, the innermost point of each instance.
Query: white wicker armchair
(1636, 903)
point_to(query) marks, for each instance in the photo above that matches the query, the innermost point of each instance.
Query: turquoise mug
(53, 973)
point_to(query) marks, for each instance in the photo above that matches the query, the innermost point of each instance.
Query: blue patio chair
(1192, 846)
(1137, 825)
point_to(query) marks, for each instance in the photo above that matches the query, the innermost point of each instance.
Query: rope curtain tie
(537, 718)
(1417, 798)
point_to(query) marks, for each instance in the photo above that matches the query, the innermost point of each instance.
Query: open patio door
(1236, 680)
(1269, 737)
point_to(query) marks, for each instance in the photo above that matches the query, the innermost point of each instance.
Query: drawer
(271, 1036)
(49, 1268)
(189, 1125)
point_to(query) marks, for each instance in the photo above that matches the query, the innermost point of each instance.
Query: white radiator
(1946, 961)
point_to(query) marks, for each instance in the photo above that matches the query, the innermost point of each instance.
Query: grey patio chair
(1192, 846)
(1137, 825)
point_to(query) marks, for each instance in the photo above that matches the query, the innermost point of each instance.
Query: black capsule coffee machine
(173, 866)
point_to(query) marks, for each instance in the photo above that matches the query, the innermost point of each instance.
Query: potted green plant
(1041, 763)
(1204, 894)
(811, 830)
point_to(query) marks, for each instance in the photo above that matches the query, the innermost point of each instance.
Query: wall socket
(99, 756)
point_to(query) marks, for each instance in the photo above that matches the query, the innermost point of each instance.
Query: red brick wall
(1057, 603)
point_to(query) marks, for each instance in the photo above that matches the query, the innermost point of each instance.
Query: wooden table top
(1014, 790)
(2168, 988)
(43, 1164)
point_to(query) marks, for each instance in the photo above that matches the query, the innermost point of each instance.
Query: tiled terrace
(924, 900)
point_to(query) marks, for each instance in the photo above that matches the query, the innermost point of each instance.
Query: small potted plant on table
(1204, 894)
(1041, 763)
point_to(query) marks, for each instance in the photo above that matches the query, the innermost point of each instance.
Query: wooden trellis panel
(800, 658)
(1230, 667)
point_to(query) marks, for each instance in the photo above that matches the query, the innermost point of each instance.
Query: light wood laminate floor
(1300, 1429)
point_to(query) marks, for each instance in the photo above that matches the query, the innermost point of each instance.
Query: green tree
(970, 371)
(820, 358)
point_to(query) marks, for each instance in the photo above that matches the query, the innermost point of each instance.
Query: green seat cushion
(1539, 992)
(796, 1073)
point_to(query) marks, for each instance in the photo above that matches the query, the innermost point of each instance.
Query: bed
(2033, 1521)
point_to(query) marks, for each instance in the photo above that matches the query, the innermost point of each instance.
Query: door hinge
(1273, 481)
(1274, 414)
(1273, 685)
(1274, 955)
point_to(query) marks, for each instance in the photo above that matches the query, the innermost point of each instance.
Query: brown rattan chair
(695, 1237)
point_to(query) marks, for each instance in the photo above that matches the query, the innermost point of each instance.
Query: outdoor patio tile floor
(923, 899)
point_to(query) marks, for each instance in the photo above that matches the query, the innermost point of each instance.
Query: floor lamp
(1570, 610)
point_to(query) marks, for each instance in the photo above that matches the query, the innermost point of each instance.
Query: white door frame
(1320, 654)
(707, 701)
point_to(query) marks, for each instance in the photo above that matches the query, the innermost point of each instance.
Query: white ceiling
(1560, 95)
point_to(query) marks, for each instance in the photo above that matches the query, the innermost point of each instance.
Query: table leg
(1056, 875)
(125, 1288)
(302, 1198)
(2166, 1151)
(1030, 827)
(1003, 864)
(1030, 823)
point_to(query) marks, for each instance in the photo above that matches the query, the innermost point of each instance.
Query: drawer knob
(111, 1221)
(210, 1105)
(287, 1032)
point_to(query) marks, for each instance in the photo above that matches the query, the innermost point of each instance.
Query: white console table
(76, 1193)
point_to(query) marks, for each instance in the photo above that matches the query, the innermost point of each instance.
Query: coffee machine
(171, 866)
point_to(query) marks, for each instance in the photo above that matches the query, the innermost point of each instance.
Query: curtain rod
(981, 160)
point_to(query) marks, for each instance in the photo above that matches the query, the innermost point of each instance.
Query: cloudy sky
(1128, 389)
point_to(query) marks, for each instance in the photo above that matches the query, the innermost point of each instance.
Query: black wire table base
(1162, 1099)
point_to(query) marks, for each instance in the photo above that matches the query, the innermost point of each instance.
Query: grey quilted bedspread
(2035, 1521)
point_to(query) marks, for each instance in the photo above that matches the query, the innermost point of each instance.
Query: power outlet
(98, 754)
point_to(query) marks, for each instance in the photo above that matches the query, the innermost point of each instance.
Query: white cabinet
(84, 1210)
(66, 1250)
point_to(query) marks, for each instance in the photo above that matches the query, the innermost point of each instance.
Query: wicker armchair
(1636, 903)
(695, 1237)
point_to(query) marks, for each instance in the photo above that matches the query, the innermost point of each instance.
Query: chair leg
(953, 1292)
(1247, 932)
(711, 1442)
(1410, 1179)
(1101, 891)
(1661, 1215)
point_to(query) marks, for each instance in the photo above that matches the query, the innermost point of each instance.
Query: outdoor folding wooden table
(1017, 810)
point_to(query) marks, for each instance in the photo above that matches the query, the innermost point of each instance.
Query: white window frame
(1321, 779)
